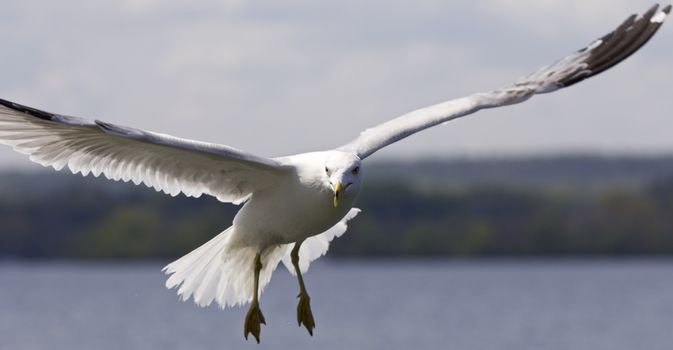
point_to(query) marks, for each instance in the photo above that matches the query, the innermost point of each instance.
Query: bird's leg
(304, 314)
(254, 319)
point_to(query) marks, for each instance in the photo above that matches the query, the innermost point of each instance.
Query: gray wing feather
(166, 163)
(600, 55)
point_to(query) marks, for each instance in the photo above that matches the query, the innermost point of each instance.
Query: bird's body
(297, 207)
(293, 206)
(300, 205)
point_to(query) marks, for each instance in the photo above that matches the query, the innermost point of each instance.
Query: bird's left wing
(591, 60)
(164, 162)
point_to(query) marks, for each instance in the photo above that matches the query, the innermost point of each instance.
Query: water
(495, 304)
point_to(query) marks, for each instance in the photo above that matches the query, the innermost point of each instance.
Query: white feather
(216, 271)
(164, 162)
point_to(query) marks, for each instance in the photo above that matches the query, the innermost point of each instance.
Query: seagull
(293, 206)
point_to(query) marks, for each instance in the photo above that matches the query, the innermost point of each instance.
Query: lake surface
(489, 304)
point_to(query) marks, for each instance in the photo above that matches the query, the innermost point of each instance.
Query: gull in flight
(293, 206)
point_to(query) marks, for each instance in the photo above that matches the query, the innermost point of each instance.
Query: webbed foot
(304, 314)
(253, 322)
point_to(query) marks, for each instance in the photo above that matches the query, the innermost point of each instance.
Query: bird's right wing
(591, 60)
(164, 162)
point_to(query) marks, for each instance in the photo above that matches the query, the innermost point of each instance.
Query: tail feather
(206, 275)
(184, 270)
(181, 267)
(196, 276)
(218, 272)
(207, 291)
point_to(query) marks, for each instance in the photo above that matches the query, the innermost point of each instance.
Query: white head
(343, 175)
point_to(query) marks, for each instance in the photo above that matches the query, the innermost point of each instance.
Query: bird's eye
(356, 170)
(326, 170)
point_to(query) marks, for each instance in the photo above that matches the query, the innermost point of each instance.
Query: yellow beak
(338, 190)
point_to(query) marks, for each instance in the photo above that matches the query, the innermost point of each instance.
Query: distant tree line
(500, 221)
(46, 216)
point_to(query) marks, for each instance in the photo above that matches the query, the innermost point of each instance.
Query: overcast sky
(283, 77)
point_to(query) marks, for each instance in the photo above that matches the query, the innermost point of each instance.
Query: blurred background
(542, 225)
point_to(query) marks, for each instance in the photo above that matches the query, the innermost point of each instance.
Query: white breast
(288, 212)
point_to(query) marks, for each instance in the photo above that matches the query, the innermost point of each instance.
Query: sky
(284, 77)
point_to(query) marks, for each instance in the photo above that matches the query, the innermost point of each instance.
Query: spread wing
(587, 62)
(164, 162)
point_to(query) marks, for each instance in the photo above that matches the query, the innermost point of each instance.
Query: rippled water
(495, 304)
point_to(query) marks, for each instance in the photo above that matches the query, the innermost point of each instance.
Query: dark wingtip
(651, 12)
(108, 127)
(119, 130)
(621, 43)
(653, 8)
(28, 110)
(102, 124)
